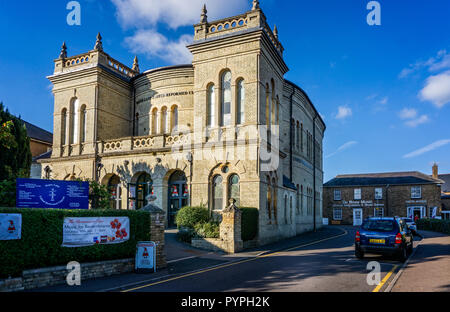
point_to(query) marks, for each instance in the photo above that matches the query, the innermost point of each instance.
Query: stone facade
(391, 201)
(112, 122)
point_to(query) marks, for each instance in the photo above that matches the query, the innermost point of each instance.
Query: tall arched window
(217, 193)
(83, 114)
(234, 190)
(74, 122)
(301, 136)
(174, 118)
(267, 106)
(297, 140)
(64, 127)
(154, 121)
(285, 209)
(269, 200)
(272, 103)
(275, 200)
(164, 123)
(240, 105)
(211, 109)
(226, 99)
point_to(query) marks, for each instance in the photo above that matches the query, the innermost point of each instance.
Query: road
(313, 262)
(325, 266)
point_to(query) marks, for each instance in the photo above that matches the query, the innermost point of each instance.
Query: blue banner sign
(33, 193)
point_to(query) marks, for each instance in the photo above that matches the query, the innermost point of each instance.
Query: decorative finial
(255, 5)
(275, 32)
(204, 17)
(136, 65)
(98, 43)
(63, 54)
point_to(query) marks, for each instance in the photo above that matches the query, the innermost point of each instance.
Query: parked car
(386, 236)
(411, 224)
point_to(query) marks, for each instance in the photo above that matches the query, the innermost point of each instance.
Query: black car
(386, 236)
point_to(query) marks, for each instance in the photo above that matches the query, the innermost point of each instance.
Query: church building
(229, 126)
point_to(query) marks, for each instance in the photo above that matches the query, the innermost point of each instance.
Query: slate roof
(389, 178)
(37, 133)
(43, 156)
(446, 185)
(288, 183)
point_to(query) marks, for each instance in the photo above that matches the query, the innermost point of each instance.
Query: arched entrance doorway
(137, 192)
(178, 196)
(115, 192)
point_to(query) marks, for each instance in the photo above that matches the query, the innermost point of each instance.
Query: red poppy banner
(82, 232)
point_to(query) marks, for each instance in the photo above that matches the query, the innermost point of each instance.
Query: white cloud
(437, 89)
(408, 113)
(384, 101)
(154, 44)
(144, 16)
(439, 62)
(344, 112)
(343, 148)
(417, 121)
(427, 148)
(174, 13)
(412, 117)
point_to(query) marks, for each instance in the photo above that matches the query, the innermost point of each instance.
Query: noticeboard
(35, 193)
(145, 257)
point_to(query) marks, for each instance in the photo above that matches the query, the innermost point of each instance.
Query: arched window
(267, 106)
(74, 112)
(226, 99)
(64, 127)
(155, 121)
(174, 119)
(144, 187)
(83, 114)
(275, 200)
(272, 104)
(301, 136)
(240, 105)
(297, 139)
(269, 200)
(164, 123)
(285, 209)
(211, 109)
(217, 193)
(234, 190)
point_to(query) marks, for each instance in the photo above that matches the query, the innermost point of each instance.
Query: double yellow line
(232, 264)
(385, 279)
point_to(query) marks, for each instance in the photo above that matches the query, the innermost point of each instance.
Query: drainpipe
(314, 169)
(387, 200)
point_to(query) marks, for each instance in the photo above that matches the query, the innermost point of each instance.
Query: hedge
(249, 223)
(435, 225)
(188, 217)
(42, 235)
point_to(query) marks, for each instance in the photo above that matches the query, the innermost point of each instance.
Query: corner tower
(93, 101)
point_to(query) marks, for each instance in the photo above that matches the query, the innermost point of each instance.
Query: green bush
(185, 235)
(42, 235)
(435, 225)
(249, 223)
(207, 230)
(189, 216)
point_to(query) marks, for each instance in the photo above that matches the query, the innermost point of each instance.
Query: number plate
(377, 241)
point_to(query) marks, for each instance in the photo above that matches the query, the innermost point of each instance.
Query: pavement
(429, 267)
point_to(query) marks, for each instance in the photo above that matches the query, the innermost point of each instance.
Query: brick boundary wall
(52, 276)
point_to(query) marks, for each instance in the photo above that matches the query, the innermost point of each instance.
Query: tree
(15, 154)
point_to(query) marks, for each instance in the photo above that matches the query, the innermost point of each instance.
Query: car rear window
(378, 225)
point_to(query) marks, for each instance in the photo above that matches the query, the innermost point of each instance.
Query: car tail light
(398, 238)
(358, 236)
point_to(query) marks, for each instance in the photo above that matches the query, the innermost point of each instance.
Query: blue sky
(384, 91)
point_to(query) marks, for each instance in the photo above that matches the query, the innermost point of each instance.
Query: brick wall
(395, 201)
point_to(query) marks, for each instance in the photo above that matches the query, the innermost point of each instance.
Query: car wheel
(359, 253)
(403, 254)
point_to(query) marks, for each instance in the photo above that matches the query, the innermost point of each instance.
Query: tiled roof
(37, 133)
(446, 185)
(389, 178)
